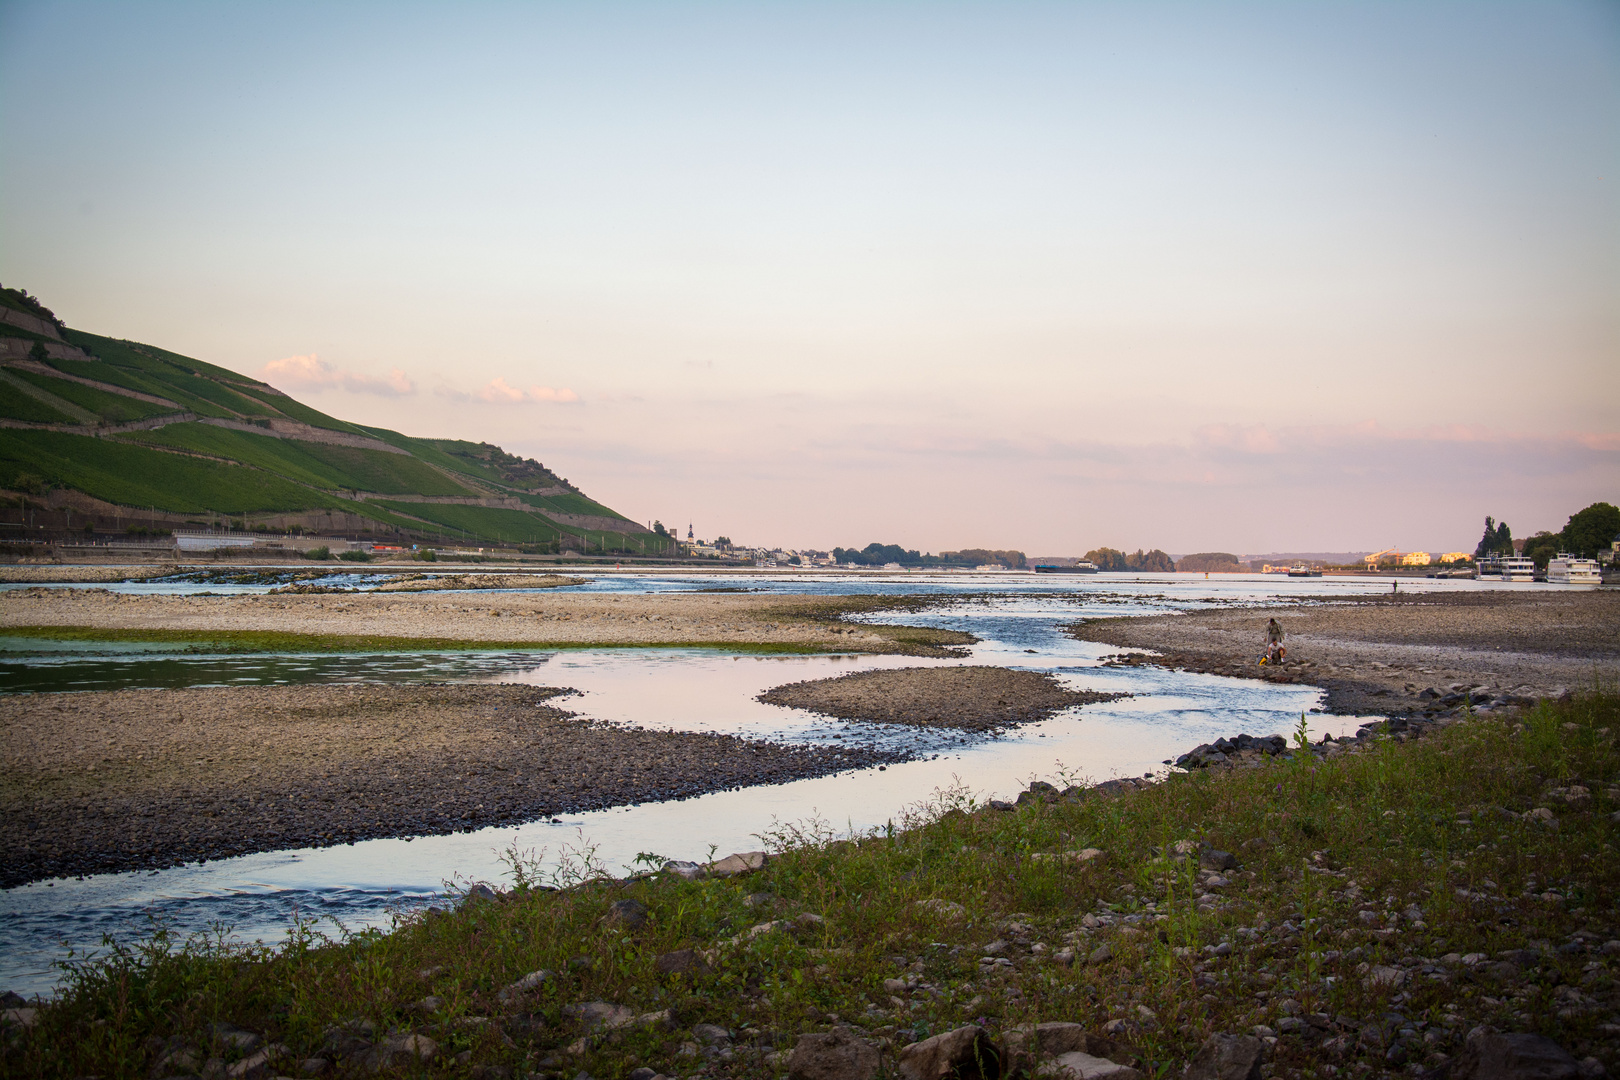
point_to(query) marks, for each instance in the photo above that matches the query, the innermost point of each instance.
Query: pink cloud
(499, 392)
(312, 373)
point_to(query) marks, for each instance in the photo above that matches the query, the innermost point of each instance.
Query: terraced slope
(136, 432)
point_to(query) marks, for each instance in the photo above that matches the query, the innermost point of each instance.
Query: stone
(1227, 1057)
(1001, 805)
(631, 914)
(1384, 976)
(1082, 1066)
(1488, 1055)
(835, 1055)
(254, 1066)
(949, 910)
(643, 1073)
(600, 1015)
(234, 1037)
(1101, 955)
(479, 891)
(1212, 859)
(19, 1017)
(966, 1053)
(399, 1051)
(681, 962)
(735, 865)
(314, 1066)
(710, 1034)
(1046, 1040)
(691, 871)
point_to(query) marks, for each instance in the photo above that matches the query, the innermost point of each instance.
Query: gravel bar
(1379, 655)
(968, 698)
(144, 779)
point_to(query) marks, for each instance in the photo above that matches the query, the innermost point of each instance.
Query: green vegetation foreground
(1360, 910)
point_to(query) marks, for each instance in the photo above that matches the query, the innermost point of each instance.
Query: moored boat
(1518, 568)
(1301, 570)
(1081, 567)
(1567, 569)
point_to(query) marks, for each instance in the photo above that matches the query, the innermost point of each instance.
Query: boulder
(1488, 1055)
(944, 909)
(600, 1015)
(630, 914)
(1082, 1066)
(967, 1053)
(735, 865)
(400, 1051)
(1029, 1045)
(681, 962)
(1227, 1057)
(835, 1055)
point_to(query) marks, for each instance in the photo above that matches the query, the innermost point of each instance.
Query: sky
(1198, 276)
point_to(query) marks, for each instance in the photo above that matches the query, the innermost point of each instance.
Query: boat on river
(1081, 567)
(1299, 569)
(1567, 569)
(1518, 568)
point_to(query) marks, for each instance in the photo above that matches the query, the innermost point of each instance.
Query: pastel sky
(1200, 276)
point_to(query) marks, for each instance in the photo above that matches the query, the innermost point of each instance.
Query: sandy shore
(549, 618)
(1380, 655)
(975, 698)
(136, 779)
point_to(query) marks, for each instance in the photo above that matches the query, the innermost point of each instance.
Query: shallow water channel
(360, 885)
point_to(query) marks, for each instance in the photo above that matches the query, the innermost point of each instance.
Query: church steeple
(688, 532)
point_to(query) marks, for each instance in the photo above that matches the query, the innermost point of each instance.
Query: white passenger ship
(1568, 569)
(1518, 568)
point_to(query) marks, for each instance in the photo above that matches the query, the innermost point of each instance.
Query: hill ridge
(108, 425)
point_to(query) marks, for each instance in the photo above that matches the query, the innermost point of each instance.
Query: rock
(631, 914)
(234, 1037)
(1384, 976)
(530, 982)
(479, 891)
(710, 1034)
(1541, 815)
(691, 871)
(1101, 955)
(736, 865)
(1227, 1057)
(1001, 805)
(642, 1073)
(400, 1051)
(13, 1000)
(314, 1066)
(835, 1055)
(681, 962)
(600, 1015)
(1491, 1056)
(1082, 1066)
(22, 1018)
(1046, 1040)
(1212, 859)
(254, 1066)
(967, 1053)
(949, 910)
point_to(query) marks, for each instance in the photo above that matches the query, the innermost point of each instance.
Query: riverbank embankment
(1397, 655)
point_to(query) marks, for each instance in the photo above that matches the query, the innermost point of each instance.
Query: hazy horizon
(1236, 277)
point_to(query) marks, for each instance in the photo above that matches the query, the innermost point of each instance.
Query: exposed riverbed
(1018, 620)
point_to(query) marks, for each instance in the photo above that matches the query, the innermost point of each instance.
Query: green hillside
(154, 435)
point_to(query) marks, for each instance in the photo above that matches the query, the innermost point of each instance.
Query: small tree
(38, 353)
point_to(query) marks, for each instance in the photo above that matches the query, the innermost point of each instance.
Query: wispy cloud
(500, 392)
(312, 373)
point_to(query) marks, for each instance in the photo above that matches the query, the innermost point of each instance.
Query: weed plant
(1373, 895)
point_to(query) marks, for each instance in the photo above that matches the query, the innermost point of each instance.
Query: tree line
(1586, 533)
(1152, 562)
(882, 554)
